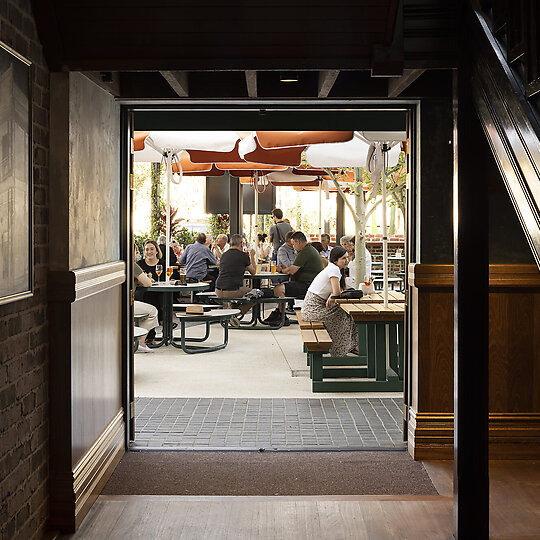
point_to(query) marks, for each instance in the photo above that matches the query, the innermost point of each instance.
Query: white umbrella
(348, 154)
(369, 149)
(154, 146)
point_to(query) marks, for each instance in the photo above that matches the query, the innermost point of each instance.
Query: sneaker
(273, 317)
(144, 348)
(234, 322)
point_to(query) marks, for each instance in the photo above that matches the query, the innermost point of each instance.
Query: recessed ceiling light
(288, 76)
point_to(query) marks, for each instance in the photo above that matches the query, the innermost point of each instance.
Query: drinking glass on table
(368, 280)
(182, 272)
(169, 272)
(159, 270)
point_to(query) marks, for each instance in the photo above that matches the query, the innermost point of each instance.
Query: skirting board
(74, 492)
(511, 435)
(94, 469)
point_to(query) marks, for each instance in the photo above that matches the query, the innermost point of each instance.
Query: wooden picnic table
(375, 318)
(394, 297)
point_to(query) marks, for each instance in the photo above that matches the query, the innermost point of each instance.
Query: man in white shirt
(220, 246)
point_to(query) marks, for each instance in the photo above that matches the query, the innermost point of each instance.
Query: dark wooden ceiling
(212, 49)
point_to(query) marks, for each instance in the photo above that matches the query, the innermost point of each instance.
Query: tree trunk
(155, 197)
(392, 226)
(360, 224)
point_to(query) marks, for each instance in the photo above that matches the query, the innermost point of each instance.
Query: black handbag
(350, 294)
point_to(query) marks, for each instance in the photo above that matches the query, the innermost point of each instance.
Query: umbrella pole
(256, 209)
(384, 235)
(168, 214)
(320, 211)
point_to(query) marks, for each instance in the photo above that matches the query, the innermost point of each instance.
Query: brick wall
(23, 325)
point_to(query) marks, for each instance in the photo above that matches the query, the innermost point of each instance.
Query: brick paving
(268, 423)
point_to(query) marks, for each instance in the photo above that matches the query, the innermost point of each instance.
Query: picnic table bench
(255, 322)
(215, 315)
(340, 370)
(367, 371)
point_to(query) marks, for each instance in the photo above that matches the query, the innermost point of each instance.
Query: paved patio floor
(255, 393)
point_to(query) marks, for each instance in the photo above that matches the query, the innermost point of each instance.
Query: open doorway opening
(271, 387)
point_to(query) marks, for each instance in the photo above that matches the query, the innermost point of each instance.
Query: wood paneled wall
(514, 348)
(87, 417)
(87, 424)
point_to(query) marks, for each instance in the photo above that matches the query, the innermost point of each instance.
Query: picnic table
(375, 318)
(215, 315)
(256, 278)
(256, 321)
(167, 291)
(394, 297)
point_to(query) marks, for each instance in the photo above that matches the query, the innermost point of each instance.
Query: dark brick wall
(24, 365)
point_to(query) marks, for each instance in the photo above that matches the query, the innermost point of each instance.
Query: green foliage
(157, 203)
(139, 240)
(218, 224)
(161, 222)
(185, 237)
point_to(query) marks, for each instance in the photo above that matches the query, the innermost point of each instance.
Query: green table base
(369, 365)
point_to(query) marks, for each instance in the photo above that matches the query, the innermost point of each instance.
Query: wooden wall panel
(514, 350)
(96, 329)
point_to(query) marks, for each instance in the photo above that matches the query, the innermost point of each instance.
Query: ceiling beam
(251, 83)
(327, 78)
(178, 81)
(113, 87)
(399, 84)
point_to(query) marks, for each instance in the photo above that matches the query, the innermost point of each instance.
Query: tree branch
(336, 183)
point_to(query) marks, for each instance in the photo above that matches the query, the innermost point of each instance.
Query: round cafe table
(167, 290)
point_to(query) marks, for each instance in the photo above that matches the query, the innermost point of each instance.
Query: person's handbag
(350, 294)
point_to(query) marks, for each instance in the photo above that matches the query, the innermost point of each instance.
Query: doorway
(219, 418)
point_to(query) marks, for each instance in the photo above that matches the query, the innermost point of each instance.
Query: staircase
(506, 90)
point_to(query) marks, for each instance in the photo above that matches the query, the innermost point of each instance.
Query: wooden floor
(515, 513)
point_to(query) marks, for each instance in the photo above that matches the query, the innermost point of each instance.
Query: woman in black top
(152, 257)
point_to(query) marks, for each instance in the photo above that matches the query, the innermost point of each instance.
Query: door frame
(261, 111)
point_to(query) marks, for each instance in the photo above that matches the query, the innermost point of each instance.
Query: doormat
(269, 474)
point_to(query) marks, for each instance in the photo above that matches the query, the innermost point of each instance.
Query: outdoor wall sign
(16, 238)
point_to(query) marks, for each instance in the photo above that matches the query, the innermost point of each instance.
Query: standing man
(278, 231)
(327, 248)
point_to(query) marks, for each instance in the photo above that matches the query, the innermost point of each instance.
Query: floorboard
(515, 513)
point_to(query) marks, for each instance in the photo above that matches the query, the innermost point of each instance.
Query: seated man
(327, 248)
(307, 264)
(285, 258)
(233, 263)
(286, 253)
(197, 257)
(221, 246)
(147, 312)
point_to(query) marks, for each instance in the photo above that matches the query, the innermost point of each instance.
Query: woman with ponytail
(320, 306)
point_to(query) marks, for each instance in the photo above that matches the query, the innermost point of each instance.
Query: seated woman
(320, 306)
(152, 258)
(262, 251)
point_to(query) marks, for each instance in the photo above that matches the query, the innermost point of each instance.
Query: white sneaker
(144, 348)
